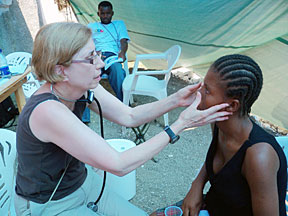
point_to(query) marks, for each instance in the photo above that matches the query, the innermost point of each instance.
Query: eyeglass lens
(93, 60)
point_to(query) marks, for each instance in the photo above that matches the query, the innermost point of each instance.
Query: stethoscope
(90, 97)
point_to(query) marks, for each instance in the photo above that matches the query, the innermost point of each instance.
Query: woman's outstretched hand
(192, 117)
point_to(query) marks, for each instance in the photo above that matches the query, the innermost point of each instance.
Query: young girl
(245, 166)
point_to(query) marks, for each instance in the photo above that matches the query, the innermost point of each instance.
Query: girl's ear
(234, 106)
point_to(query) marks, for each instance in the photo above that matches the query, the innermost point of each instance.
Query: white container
(125, 186)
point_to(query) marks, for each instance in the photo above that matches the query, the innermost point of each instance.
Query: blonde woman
(53, 143)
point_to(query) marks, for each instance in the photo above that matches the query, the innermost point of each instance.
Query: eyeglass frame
(89, 60)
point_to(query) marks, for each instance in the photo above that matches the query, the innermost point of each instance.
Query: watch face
(175, 139)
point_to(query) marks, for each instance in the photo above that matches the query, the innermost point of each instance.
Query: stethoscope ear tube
(90, 98)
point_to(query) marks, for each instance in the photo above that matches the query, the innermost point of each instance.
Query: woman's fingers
(194, 117)
(210, 115)
(186, 96)
(197, 100)
(215, 108)
(218, 116)
(195, 87)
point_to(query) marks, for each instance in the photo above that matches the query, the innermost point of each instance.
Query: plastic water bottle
(4, 68)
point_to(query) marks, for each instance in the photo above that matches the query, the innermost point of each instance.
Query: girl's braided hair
(242, 77)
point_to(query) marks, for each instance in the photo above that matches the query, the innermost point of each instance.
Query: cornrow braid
(243, 78)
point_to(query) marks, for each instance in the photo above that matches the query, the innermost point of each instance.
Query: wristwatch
(173, 138)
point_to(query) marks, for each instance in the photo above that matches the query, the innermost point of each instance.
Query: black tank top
(229, 193)
(40, 164)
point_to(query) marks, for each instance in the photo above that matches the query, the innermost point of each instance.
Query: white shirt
(107, 37)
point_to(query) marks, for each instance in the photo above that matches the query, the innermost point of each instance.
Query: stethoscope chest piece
(92, 206)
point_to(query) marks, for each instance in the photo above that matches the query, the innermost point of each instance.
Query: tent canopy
(207, 30)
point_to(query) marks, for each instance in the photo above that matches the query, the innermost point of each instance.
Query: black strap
(116, 41)
(102, 134)
(89, 99)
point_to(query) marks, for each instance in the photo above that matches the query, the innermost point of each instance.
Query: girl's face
(83, 74)
(212, 90)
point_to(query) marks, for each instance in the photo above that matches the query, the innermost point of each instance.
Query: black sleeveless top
(41, 164)
(229, 193)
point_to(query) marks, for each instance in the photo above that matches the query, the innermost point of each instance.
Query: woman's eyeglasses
(89, 60)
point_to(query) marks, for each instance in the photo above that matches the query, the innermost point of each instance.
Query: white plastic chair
(19, 60)
(7, 171)
(283, 141)
(144, 83)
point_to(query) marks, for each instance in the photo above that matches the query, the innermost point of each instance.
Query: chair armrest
(146, 57)
(162, 72)
(151, 56)
(126, 68)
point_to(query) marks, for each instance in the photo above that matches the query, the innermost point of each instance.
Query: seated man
(112, 39)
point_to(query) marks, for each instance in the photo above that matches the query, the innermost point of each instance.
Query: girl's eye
(206, 91)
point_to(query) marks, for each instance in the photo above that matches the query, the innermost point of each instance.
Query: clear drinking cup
(173, 211)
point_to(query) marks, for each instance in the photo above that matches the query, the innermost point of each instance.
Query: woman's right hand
(192, 202)
(192, 117)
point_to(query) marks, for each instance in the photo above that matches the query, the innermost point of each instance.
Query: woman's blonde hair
(56, 44)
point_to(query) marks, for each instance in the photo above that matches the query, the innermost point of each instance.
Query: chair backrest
(7, 168)
(20, 58)
(172, 56)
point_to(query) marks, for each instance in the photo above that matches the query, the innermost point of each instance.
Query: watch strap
(173, 137)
